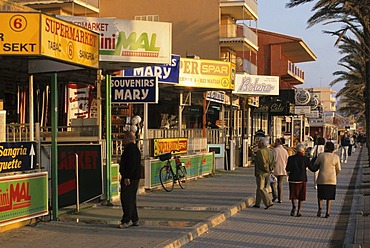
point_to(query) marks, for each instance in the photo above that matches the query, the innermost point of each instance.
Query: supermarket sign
(23, 197)
(129, 40)
(200, 73)
(38, 34)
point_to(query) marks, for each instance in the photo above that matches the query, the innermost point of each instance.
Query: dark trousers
(349, 150)
(128, 201)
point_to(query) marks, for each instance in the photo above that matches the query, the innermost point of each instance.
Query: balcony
(70, 7)
(244, 65)
(240, 9)
(238, 37)
(293, 75)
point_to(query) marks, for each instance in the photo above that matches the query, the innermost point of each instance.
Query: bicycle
(167, 175)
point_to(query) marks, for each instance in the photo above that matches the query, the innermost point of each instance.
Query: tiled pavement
(212, 212)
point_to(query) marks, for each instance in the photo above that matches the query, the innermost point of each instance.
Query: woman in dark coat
(296, 168)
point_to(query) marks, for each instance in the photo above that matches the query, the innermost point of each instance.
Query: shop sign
(134, 90)
(23, 197)
(256, 85)
(40, 34)
(302, 97)
(129, 40)
(89, 172)
(216, 96)
(200, 73)
(263, 108)
(168, 73)
(20, 33)
(178, 145)
(17, 156)
(302, 110)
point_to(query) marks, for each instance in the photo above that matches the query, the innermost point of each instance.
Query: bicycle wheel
(182, 175)
(166, 178)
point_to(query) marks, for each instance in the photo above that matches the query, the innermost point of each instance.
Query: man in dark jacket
(130, 170)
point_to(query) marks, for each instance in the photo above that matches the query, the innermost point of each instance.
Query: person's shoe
(319, 213)
(327, 215)
(341, 160)
(292, 211)
(274, 199)
(135, 223)
(280, 201)
(299, 215)
(269, 206)
(123, 225)
(256, 206)
(345, 161)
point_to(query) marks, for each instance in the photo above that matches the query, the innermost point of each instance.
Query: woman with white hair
(296, 168)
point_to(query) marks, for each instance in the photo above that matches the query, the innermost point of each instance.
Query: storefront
(36, 48)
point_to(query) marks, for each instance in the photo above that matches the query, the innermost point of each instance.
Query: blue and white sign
(166, 73)
(134, 90)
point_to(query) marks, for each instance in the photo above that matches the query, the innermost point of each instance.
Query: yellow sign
(178, 145)
(69, 42)
(202, 73)
(38, 34)
(19, 34)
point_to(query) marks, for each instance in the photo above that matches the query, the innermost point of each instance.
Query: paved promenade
(212, 212)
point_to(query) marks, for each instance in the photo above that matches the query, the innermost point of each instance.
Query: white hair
(300, 148)
(264, 141)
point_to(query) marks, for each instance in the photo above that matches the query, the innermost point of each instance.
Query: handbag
(272, 178)
(311, 165)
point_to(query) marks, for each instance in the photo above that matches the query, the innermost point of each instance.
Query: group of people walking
(272, 166)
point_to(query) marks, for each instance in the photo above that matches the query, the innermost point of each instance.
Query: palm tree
(354, 76)
(355, 15)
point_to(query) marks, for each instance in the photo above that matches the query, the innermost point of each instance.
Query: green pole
(54, 145)
(108, 134)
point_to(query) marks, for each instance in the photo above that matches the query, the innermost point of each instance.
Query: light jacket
(281, 159)
(329, 168)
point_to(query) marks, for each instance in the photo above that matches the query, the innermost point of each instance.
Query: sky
(274, 16)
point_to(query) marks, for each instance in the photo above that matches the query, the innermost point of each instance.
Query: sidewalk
(172, 219)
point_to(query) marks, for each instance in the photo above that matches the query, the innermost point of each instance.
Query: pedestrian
(281, 158)
(351, 147)
(317, 149)
(329, 165)
(315, 137)
(263, 165)
(296, 168)
(130, 170)
(344, 145)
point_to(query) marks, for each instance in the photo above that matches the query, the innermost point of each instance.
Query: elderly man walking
(264, 164)
(281, 158)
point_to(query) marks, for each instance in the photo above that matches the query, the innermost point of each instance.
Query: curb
(213, 221)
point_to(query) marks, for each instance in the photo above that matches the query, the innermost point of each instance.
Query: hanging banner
(168, 73)
(134, 90)
(79, 101)
(17, 156)
(256, 85)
